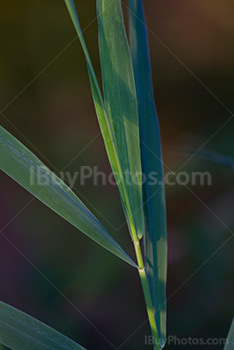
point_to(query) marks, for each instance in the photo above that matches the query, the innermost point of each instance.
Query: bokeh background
(46, 102)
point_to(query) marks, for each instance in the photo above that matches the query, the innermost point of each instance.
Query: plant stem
(148, 301)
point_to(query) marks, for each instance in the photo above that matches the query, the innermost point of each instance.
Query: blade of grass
(19, 331)
(104, 122)
(121, 100)
(230, 339)
(155, 239)
(26, 169)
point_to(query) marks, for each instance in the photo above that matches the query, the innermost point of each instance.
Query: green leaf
(121, 103)
(132, 210)
(19, 331)
(155, 239)
(230, 339)
(102, 116)
(25, 168)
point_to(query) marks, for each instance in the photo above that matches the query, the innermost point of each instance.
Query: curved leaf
(25, 168)
(121, 101)
(105, 122)
(19, 331)
(100, 108)
(155, 239)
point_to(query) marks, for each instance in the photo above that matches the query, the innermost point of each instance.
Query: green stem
(148, 301)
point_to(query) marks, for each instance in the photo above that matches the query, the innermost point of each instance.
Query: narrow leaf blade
(19, 331)
(155, 239)
(121, 102)
(105, 123)
(26, 169)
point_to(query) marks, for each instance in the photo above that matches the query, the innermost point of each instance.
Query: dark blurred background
(46, 102)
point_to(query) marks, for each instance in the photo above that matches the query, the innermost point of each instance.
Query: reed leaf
(19, 331)
(121, 102)
(25, 168)
(155, 239)
(103, 119)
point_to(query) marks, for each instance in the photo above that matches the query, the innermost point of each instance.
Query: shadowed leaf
(26, 169)
(155, 239)
(121, 102)
(19, 331)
